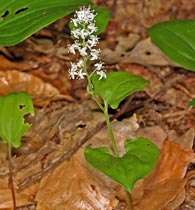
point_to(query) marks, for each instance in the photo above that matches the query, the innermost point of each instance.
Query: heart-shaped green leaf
(139, 160)
(116, 86)
(13, 108)
(176, 39)
(20, 19)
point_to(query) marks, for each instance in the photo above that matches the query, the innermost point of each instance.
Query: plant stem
(129, 200)
(110, 129)
(90, 85)
(128, 195)
(11, 184)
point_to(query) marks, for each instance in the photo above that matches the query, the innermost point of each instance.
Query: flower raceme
(85, 43)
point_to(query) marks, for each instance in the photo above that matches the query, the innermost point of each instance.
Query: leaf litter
(60, 126)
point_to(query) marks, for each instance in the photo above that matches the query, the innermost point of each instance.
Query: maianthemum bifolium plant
(13, 108)
(19, 20)
(140, 153)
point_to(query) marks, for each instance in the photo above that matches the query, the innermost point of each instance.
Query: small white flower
(102, 74)
(98, 66)
(73, 71)
(76, 33)
(73, 47)
(81, 15)
(81, 74)
(80, 63)
(94, 54)
(83, 51)
(92, 28)
(75, 21)
(92, 41)
(84, 34)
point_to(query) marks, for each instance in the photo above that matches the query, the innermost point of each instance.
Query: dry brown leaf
(152, 7)
(127, 43)
(144, 53)
(186, 141)
(23, 197)
(155, 133)
(72, 186)
(155, 82)
(8, 65)
(41, 92)
(167, 180)
(62, 83)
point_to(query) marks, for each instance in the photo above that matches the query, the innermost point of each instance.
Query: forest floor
(50, 172)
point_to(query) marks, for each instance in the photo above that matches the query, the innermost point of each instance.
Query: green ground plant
(175, 38)
(13, 108)
(21, 19)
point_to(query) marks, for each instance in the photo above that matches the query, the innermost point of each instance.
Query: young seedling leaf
(139, 160)
(13, 108)
(176, 39)
(20, 19)
(116, 86)
(191, 103)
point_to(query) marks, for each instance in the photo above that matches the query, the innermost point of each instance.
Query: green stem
(11, 184)
(90, 85)
(128, 195)
(110, 129)
(104, 109)
(129, 200)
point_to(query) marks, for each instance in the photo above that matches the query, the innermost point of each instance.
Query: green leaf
(140, 158)
(13, 108)
(102, 18)
(176, 39)
(116, 86)
(191, 103)
(20, 19)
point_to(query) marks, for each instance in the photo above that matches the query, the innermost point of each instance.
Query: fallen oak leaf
(167, 180)
(181, 198)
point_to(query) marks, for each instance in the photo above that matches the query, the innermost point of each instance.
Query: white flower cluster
(85, 43)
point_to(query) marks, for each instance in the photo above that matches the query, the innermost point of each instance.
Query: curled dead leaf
(41, 92)
(167, 180)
